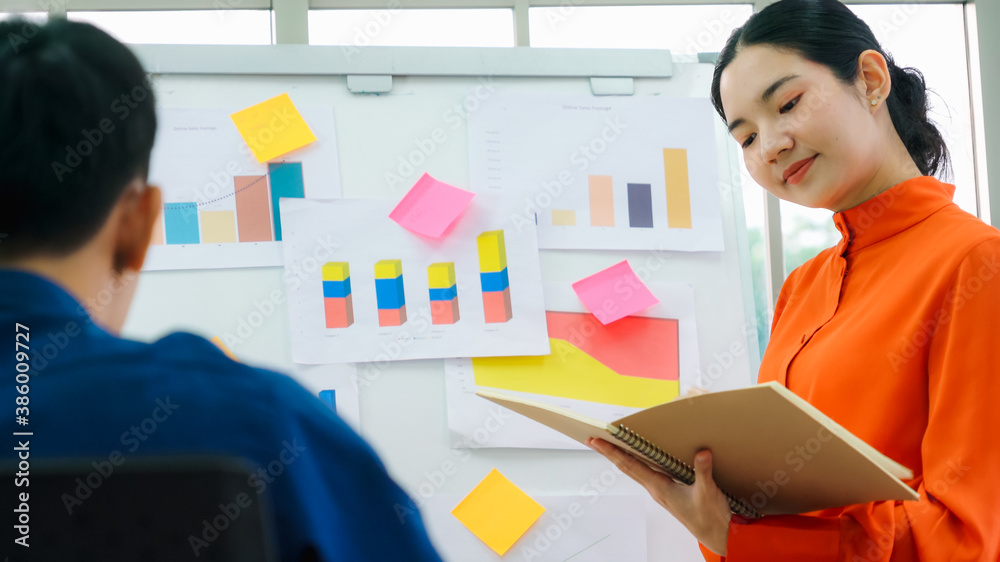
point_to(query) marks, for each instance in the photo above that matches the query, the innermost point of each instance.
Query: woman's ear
(874, 80)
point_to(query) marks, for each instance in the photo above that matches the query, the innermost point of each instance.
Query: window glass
(902, 31)
(198, 27)
(682, 29)
(411, 27)
(753, 205)
(37, 16)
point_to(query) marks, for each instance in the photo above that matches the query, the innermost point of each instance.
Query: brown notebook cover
(773, 452)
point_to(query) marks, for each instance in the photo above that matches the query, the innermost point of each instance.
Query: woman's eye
(749, 140)
(788, 106)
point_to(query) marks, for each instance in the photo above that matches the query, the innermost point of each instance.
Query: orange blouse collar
(891, 212)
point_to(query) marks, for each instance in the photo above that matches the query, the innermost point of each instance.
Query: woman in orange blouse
(892, 332)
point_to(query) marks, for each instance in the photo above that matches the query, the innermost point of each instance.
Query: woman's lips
(799, 173)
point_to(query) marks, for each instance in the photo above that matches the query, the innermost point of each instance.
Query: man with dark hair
(77, 122)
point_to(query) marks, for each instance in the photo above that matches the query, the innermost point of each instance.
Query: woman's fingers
(657, 483)
(693, 391)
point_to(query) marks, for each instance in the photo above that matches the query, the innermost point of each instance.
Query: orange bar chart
(252, 205)
(675, 169)
(602, 201)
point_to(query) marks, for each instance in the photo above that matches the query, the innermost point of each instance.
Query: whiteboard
(402, 407)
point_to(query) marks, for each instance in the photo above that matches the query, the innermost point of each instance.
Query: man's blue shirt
(93, 394)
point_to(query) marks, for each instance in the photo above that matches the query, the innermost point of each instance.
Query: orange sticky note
(218, 343)
(273, 128)
(498, 512)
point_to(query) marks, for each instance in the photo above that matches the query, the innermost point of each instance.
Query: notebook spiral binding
(677, 469)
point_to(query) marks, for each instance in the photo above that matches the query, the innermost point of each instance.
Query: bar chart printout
(493, 276)
(251, 221)
(229, 197)
(389, 293)
(655, 187)
(286, 181)
(337, 300)
(443, 293)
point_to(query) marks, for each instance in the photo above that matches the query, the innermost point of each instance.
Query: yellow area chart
(570, 372)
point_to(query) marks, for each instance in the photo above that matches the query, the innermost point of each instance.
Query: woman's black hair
(827, 32)
(77, 124)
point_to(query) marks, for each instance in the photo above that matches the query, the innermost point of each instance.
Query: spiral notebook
(773, 452)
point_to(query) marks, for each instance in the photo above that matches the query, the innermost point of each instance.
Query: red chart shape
(634, 346)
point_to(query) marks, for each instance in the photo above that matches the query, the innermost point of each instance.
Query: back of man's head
(77, 123)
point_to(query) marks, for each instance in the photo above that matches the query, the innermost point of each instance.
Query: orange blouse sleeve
(958, 515)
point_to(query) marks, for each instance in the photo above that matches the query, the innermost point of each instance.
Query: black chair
(145, 509)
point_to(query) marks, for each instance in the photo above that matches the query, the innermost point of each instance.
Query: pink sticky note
(614, 293)
(431, 206)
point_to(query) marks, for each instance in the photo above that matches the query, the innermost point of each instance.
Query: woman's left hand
(701, 507)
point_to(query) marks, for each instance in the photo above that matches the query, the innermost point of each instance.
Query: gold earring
(876, 100)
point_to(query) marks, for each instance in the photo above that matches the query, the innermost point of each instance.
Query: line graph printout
(220, 206)
(605, 372)
(362, 288)
(602, 173)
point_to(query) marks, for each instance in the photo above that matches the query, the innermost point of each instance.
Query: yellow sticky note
(273, 128)
(498, 512)
(218, 343)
